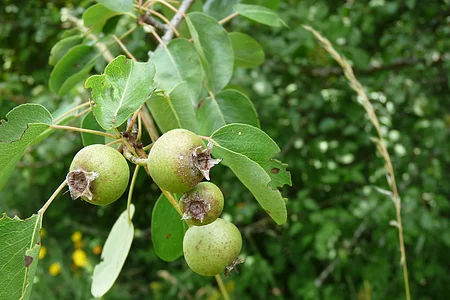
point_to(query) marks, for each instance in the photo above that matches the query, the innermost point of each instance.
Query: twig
(147, 18)
(176, 20)
(124, 48)
(83, 130)
(58, 119)
(52, 197)
(226, 19)
(149, 124)
(380, 143)
(222, 288)
(100, 46)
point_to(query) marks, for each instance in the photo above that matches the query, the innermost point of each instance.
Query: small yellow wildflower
(97, 250)
(42, 252)
(79, 258)
(77, 237)
(43, 232)
(54, 269)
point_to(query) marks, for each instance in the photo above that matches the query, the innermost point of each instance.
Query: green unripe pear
(98, 174)
(202, 205)
(212, 249)
(179, 160)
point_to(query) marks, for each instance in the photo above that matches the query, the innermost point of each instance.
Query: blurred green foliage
(338, 243)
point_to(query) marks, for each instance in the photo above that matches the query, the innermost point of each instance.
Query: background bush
(338, 243)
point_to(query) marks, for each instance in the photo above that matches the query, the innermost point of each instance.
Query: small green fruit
(202, 205)
(98, 174)
(212, 249)
(179, 160)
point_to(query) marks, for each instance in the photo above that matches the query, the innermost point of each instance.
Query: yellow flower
(79, 258)
(97, 250)
(42, 252)
(54, 269)
(77, 237)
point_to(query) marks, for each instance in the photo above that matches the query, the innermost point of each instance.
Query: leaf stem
(148, 147)
(124, 48)
(130, 192)
(149, 124)
(226, 19)
(83, 130)
(206, 138)
(52, 197)
(58, 119)
(222, 288)
(172, 201)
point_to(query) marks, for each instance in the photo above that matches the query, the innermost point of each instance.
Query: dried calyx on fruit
(179, 160)
(98, 174)
(202, 205)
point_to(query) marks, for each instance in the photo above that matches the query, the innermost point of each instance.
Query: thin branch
(83, 130)
(176, 20)
(149, 124)
(135, 160)
(124, 48)
(58, 119)
(99, 45)
(380, 143)
(226, 19)
(52, 197)
(147, 18)
(172, 8)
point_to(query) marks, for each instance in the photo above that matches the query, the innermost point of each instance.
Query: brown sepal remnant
(79, 182)
(232, 267)
(203, 160)
(196, 207)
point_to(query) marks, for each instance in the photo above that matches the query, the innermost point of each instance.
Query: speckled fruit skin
(112, 168)
(170, 161)
(209, 249)
(210, 193)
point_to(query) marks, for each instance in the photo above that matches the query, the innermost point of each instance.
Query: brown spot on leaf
(168, 236)
(275, 170)
(268, 211)
(27, 260)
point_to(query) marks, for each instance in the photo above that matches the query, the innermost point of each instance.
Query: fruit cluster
(178, 161)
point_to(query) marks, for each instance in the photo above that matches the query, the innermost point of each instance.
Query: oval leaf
(259, 14)
(23, 125)
(19, 256)
(72, 69)
(247, 52)
(89, 122)
(62, 47)
(96, 16)
(214, 49)
(118, 5)
(167, 230)
(173, 110)
(249, 152)
(219, 9)
(120, 91)
(228, 106)
(114, 254)
(176, 63)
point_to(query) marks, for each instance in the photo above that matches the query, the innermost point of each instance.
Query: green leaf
(173, 110)
(259, 14)
(179, 62)
(96, 16)
(20, 244)
(120, 91)
(62, 47)
(23, 124)
(249, 152)
(72, 69)
(228, 106)
(114, 254)
(89, 122)
(118, 5)
(247, 52)
(219, 9)
(214, 49)
(167, 230)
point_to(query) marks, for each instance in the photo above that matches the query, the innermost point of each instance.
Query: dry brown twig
(379, 142)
